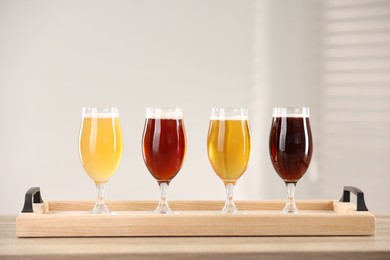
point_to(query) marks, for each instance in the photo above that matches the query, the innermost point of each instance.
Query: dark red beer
(291, 147)
(164, 147)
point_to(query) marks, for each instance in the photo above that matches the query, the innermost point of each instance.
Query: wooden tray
(194, 218)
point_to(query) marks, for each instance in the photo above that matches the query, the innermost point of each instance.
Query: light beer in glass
(100, 147)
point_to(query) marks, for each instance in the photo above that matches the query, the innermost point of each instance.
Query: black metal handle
(361, 205)
(33, 195)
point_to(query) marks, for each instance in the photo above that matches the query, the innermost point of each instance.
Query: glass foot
(230, 207)
(163, 207)
(290, 207)
(100, 206)
(100, 209)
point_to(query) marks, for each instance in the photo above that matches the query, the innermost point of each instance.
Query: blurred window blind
(355, 128)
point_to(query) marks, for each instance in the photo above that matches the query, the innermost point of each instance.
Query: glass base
(290, 209)
(229, 209)
(163, 209)
(100, 209)
(100, 206)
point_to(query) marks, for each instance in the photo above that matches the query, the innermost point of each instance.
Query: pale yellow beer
(229, 148)
(100, 145)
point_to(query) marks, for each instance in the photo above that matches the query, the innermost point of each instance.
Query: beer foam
(164, 113)
(228, 113)
(290, 115)
(97, 112)
(240, 117)
(101, 115)
(291, 112)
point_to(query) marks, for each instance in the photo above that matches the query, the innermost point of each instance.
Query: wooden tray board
(194, 218)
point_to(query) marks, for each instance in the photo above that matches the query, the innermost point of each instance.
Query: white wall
(57, 56)
(287, 47)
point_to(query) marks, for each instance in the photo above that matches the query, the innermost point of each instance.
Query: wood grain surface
(344, 247)
(194, 218)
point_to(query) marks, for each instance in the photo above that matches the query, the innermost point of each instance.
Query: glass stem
(163, 207)
(229, 207)
(290, 205)
(100, 206)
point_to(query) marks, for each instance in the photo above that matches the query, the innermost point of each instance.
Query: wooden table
(374, 247)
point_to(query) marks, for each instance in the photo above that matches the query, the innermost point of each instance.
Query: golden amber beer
(100, 145)
(229, 148)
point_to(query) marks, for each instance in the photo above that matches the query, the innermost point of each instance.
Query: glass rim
(164, 113)
(229, 113)
(100, 112)
(291, 112)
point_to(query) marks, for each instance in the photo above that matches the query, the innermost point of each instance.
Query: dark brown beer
(164, 147)
(291, 147)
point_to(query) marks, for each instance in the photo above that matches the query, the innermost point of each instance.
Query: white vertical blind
(334, 56)
(355, 127)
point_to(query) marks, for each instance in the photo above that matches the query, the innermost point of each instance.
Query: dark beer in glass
(291, 147)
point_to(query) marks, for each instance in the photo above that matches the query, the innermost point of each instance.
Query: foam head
(97, 112)
(164, 113)
(227, 113)
(291, 112)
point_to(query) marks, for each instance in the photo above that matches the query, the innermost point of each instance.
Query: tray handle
(361, 205)
(33, 195)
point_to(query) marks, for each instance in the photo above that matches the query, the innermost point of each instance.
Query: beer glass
(290, 147)
(100, 148)
(229, 148)
(164, 148)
